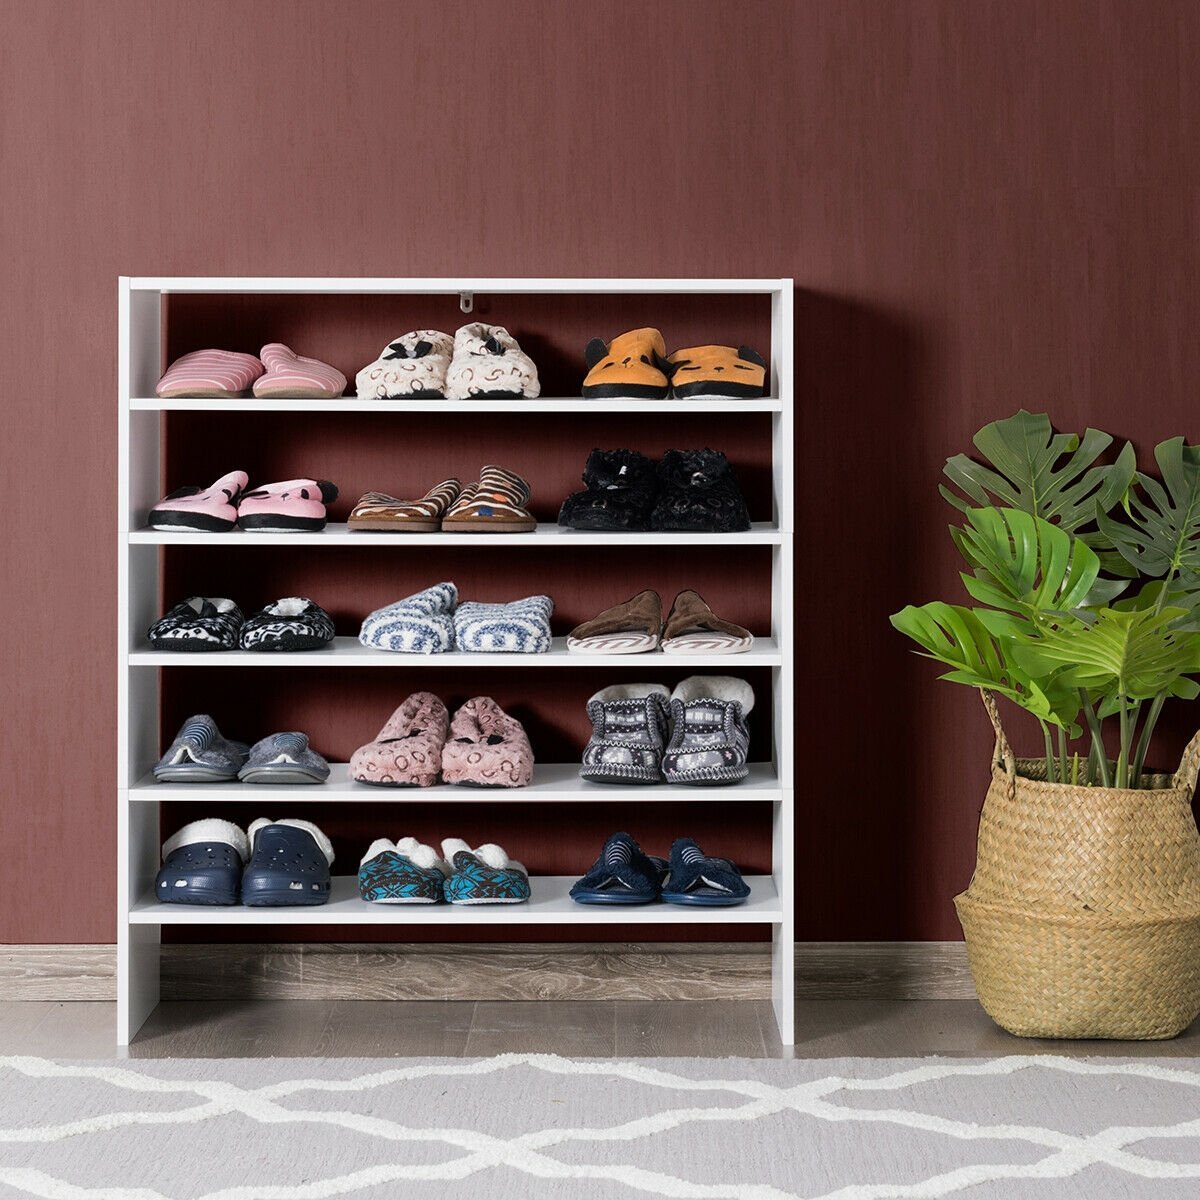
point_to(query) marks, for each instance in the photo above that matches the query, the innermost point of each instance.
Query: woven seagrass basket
(1082, 919)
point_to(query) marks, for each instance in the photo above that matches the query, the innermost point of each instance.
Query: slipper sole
(487, 525)
(613, 643)
(279, 775)
(385, 525)
(707, 643)
(195, 773)
(700, 900)
(169, 521)
(712, 778)
(618, 775)
(610, 898)
(274, 523)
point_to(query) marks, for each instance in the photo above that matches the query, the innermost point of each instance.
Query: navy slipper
(202, 864)
(697, 879)
(622, 874)
(289, 864)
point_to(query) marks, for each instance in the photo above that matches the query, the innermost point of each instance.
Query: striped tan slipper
(693, 628)
(378, 510)
(496, 504)
(631, 627)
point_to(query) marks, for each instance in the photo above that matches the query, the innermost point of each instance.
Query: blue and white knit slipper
(293, 623)
(284, 758)
(485, 875)
(623, 874)
(518, 627)
(403, 872)
(697, 879)
(289, 864)
(199, 754)
(197, 624)
(418, 624)
(202, 864)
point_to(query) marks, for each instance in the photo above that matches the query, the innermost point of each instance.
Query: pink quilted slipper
(204, 510)
(215, 374)
(295, 506)
(292, 375)
(408, 750)
(487, 747)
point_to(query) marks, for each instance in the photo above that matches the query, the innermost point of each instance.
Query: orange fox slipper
(634, 367)
(717, 373)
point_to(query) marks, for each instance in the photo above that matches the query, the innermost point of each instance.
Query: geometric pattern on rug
(539, 1126)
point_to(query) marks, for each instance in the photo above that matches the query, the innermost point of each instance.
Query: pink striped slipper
(290, 374)
(211, 374)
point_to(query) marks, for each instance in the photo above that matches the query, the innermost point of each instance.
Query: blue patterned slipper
(289, 864)
(518, 627)
(199, 754)
(622, 874)
(418, 624)
(485, 875)
(202, 864)
(403, 872)
(697, 879)
(284, 758)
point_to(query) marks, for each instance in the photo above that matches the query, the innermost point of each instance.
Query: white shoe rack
(141, 483)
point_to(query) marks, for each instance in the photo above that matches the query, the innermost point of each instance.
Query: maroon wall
(984, 205)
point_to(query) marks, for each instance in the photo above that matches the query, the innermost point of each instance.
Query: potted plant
(1082, 918)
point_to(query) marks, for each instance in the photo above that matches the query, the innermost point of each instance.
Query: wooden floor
(719, 1028)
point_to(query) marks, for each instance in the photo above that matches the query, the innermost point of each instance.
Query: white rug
(533, 1126)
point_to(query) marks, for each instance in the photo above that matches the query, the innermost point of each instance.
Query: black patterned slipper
(293, 623)
(198, 623)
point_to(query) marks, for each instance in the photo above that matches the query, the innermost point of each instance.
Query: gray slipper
(284, 758)
(199, 754)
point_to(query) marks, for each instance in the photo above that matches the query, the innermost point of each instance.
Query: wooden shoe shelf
(145, 808)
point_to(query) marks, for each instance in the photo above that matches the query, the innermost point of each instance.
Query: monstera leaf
(1134, 654)
(954, 636)
(1028, 569)
(1055, 476)
(1162, 536)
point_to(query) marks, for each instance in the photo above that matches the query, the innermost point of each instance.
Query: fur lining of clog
(322, 841)
(421, 855)
(630, 691)
(715, 687)
(209, 829)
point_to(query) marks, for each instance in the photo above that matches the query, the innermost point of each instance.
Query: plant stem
(1075, 770)
(1093, 724)
(1139, 759)
(1123, 753)
(1062, 754)
(1051, 773)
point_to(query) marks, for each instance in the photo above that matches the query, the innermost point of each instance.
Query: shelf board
(388, 285)
(550, 905)
(761, 533)
(350, 652)
(555, 782)
(544, 404)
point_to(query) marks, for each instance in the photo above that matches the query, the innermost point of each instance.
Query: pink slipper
(290, 374)
(205, 510)
(408, 750)
(215, 374)
(487, 747)
(295, 506)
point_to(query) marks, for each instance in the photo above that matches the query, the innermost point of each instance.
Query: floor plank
(703, 1029)
(579, 1028)
(317, 1028)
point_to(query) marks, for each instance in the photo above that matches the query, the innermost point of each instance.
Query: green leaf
(955, 637)
(1055, 476)
(1027, 566)
(1136, 654)
(1161, 536)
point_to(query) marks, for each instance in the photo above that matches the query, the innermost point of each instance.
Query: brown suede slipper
(631, 627)
(693, 628)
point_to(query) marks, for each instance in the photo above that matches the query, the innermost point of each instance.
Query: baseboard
(565, 971)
